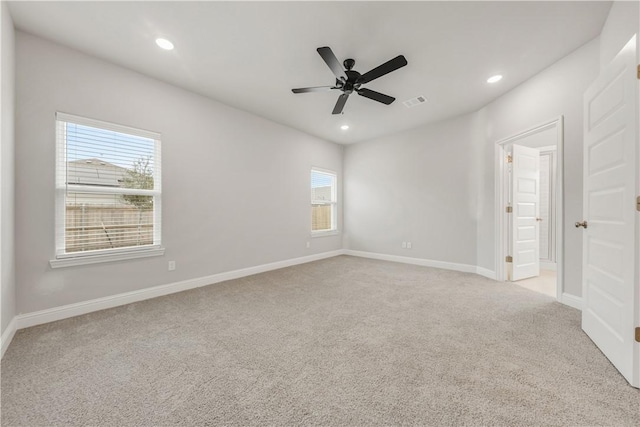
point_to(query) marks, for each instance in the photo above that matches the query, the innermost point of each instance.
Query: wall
(556, 91)
(435, 185)
(621, 24)
(236, 189)
(7, 146)
(448, 165)
(415, 186)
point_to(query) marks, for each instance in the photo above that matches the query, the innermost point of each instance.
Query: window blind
(108, 187)
(323, 200)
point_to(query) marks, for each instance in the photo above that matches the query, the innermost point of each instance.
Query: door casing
(501, 189)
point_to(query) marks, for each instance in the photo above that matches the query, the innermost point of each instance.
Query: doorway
(529, 231)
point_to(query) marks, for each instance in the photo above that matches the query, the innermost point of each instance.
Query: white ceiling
(251, 54)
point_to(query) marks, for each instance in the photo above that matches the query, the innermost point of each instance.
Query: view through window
(108, 183)
(323, 201)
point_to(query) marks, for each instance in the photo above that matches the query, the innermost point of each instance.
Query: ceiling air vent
(414, 101)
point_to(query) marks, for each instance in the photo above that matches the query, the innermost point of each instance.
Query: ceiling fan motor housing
(352, 81)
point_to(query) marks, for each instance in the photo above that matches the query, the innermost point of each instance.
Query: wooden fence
(320, 217)
(105, 227)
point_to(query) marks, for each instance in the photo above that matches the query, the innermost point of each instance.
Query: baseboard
(466, 268)
(572, 301)
(489, 274)
(77, 309)
(7, 336)
(71, 310)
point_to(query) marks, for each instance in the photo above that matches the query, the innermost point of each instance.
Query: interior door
(609, 283)
(525, 186)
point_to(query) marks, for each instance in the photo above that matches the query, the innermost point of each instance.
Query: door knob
(581, 224)
(538, 219)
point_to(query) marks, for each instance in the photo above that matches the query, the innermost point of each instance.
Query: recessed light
(344, 127)
(164, 43)
(494, 79)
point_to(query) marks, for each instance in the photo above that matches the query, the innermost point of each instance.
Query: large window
(108, 190)
(323, 201)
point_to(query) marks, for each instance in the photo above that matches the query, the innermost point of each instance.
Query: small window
(108, 188)
(323, 201)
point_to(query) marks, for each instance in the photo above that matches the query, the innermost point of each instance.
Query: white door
(609, 286)
(526, 207)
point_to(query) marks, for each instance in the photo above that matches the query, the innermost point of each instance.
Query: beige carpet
(339, 342)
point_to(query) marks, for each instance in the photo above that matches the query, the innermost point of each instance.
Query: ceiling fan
(349, 80)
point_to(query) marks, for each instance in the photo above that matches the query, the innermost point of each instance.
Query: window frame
(62, 187)
(333, 202)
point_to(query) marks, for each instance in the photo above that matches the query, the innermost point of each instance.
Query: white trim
(70, 260)
(7, 336)
(571, 301)
(321, 233)
(63, 188)
(60, 189)
(95, 189)
(486, 273)
(559, 208)
(553, 172)
(501, 243)
(547, 149)
(85, 121)
(333, 202)
(466, 268)
(77, 309)
(324, 171)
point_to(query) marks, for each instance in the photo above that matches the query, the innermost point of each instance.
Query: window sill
(325, 233)
(100, 258)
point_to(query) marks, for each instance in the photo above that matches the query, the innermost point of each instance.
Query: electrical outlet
(308, 245)
(172, 265)
(404, 245)
(408, 245)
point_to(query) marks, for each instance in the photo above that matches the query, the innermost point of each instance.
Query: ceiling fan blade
(336, 68)
(389, 66)
(376, 96)
(342, 99)
(314, 89)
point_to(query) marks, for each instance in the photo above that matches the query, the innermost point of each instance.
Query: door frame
(501, 217)
(552, 151)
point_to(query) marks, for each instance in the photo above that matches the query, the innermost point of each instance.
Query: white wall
(621, 24)
(7, 146)
(556, 91)
(434, 185)
(236, 189)
(416, 186)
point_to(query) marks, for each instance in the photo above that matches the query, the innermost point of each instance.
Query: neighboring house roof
(95, 172)
(321, 193)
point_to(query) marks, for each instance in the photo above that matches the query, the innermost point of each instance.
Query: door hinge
(637, 334)
(638, 203)
(638, 72)
(509, 159)
(508, 258)
(509, 209)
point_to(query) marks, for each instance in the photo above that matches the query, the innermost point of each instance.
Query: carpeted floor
(340, 342)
